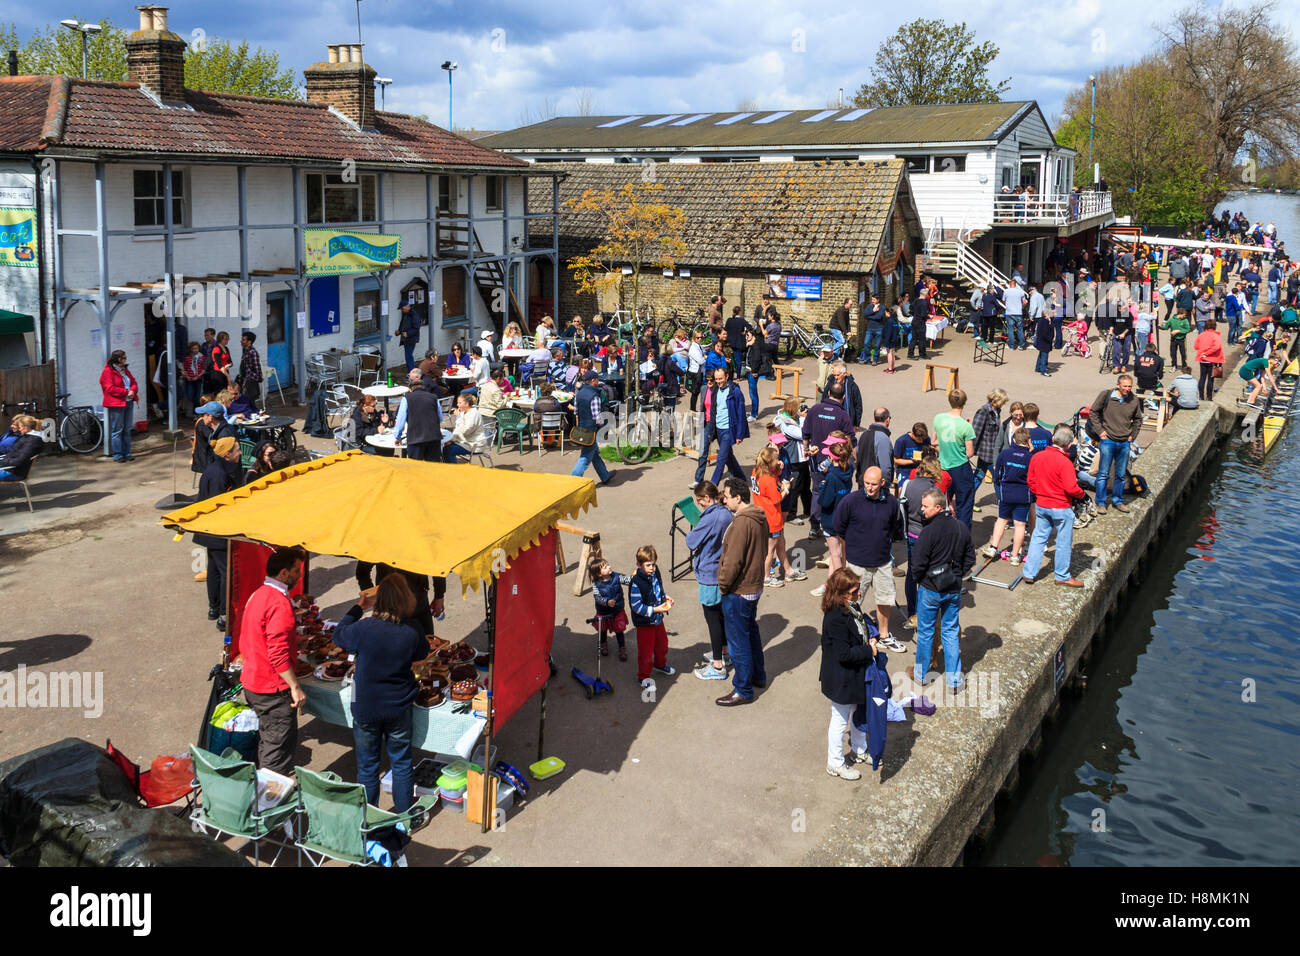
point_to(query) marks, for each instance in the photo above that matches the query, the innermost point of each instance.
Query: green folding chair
(511, 421)
(228, 794)
(685, 517)
(339, 821)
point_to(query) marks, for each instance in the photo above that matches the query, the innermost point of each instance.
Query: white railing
(1056, 209)
(963, 262)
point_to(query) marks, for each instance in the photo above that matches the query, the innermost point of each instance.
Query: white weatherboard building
(137, 184)
(960, 159)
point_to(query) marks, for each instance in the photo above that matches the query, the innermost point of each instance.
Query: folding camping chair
(685, 516)
(228, 794)
(340, 821)
(152, 791)
(990, 351)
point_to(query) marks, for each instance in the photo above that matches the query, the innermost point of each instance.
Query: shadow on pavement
(46, 649)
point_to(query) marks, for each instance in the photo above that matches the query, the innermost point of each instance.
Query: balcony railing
(1055, 210)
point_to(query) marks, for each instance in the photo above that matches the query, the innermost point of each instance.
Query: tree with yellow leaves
(640, 230)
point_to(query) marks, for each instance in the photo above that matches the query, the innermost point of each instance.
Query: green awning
(15, 323)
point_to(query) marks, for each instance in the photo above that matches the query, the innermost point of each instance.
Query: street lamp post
(1091, 117)
(450, 66)
(84, 29)
(383, 82)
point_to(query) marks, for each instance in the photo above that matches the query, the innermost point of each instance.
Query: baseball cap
(778, 438)
(591, 376)
(211, 408)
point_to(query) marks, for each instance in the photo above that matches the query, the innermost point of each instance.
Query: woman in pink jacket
(1209, 352)
(120, 396)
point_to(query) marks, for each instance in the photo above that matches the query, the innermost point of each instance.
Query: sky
(519, 59)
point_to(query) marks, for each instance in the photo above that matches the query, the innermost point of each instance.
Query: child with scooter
(607, 589)
(649, 605)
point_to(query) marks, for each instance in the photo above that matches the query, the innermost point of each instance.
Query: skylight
(663, 119)
(691, 119)
(772, 118)
(852, 116)
(620, 121)
(818, 117)
(734, 119)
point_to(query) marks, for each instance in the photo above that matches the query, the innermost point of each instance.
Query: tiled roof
(893, 125)
(820, 217)
(120, 117)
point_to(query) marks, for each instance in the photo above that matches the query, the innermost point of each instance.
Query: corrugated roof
(803, 217)
(948, 123)
(120, 117)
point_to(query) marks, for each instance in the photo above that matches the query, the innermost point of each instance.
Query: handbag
(582, 436)
(941, 578)
(1218, 371)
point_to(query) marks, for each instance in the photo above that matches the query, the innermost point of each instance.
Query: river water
(1185, 748)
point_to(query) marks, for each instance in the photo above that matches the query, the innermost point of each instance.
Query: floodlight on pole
(84, 29)
(450, 66)
(383, 82)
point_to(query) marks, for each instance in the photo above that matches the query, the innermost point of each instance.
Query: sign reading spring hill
(331, 252)
(17, 237)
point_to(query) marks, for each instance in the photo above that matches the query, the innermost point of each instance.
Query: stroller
(1076, 339)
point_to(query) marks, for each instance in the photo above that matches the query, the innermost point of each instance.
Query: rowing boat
(1273, 420)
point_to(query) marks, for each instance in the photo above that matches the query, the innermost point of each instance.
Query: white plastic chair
(552, 424)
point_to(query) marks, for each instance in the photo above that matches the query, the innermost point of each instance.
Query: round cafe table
(512, 357)
(388, 443)
(386, 393)
(276, 428)
(456, 380)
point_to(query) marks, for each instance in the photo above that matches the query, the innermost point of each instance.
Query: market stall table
(934, 327)
(434, 729)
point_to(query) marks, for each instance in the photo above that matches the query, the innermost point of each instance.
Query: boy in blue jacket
(1010, 476)
(649, 605)
(607, 589)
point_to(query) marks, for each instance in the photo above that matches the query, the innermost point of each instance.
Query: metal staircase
(454, 242)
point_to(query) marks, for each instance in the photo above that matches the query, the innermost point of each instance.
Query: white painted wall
(19, 286)
(212, 201)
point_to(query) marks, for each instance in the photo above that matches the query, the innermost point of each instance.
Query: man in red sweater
(1055, 486)
(268, 641)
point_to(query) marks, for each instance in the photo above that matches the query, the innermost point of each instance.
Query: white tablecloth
(383, 391)
(933, 327)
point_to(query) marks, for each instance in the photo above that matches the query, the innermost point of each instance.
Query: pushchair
(1076, 339)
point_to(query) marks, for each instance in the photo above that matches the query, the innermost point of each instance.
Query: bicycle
(1107, 354)
(638, 434)
(810, 343)
(74, 429)
(669, 326)
(628, 327)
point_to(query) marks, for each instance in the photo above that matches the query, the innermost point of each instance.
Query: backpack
(1135, 485)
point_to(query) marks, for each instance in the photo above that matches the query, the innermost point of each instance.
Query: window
(950, 164)
(148, 193)
(330, 199)
(453, 298)
(493, 193)
(917, 164)
(365, 305)
(445, 193)
(1006, 177)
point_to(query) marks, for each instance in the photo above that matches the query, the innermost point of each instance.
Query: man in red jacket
(1055, 486)
(268, 641)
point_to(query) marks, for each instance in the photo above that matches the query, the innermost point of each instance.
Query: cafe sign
(331, 252)
(17, 237)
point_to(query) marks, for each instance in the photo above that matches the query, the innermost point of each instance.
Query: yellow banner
(17, 236)
(331, 252)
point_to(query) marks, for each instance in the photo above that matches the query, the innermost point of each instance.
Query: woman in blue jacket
(384, 689)
(705, 542)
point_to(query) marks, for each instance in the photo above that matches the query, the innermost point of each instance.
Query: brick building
(837, 229)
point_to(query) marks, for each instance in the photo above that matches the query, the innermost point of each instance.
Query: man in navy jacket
(724, 422)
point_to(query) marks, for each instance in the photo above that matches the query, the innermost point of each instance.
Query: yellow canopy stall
(420, 516)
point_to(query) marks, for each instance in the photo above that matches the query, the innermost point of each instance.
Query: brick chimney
(155, 57)
(345, 83)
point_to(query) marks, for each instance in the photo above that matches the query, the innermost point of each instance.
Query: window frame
(959, 163)
(910, 161)
(180, 197)
(492, 190)
(366, 285)
(365, 195)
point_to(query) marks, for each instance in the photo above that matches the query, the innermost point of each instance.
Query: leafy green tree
(929, 61)
(217, 65)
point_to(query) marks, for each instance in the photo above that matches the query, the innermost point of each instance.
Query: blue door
(279, 350)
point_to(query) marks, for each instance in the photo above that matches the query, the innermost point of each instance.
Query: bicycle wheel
(666, 330)
(633, 441)
(1107, 353)
(787, 345)
(706, 334)
(80, 431)
(819, 341)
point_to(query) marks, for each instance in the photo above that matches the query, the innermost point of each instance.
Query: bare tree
(1241, 70)
(548, 109)
(585, 102)
(748, 105)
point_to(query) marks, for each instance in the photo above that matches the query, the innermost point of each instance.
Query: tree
(748, 105)
(641, 230)
(548, 109)
(929, 61)
(1146, 139)
(1243, 78)
(215, 66)
(585, 102)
